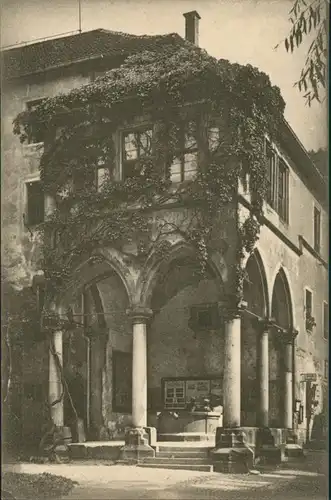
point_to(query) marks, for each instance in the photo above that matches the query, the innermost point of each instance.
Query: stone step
(176, 466)
(186, 437)
(183, 454)
(176, 460)
(294, 451)
(187, 449)
(86, 451)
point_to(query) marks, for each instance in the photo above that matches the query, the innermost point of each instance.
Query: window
(326, 369)
(213, 138)
(282, 205)
(35, 203)
(101, 177)
(204, 317)
(135, 145)
(317, 229)
(309, 310)
(325, 320)
(270, 174)
(277, 179)
(36, 136)
(184, 166)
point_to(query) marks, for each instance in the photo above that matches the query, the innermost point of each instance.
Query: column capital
(264, 324)
(285, 336)
(231, 308)
(139, 314)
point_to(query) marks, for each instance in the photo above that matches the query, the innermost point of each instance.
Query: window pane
(190, 165)
(270, 174)
(317, 229)
(102, 176)
(176, 170)
(130, 147)
(145, 142)
(326, 320)
(308, 304)
(213, 138)
(190, 141)
(282, 191)
(35, 203)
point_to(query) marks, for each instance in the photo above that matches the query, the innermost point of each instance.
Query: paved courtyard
(118, 482)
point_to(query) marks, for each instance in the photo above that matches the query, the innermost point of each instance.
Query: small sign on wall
(308, 377)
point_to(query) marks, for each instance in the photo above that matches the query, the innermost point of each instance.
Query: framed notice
(122, 382)
(197, 389)
(179, 392)
(174, 394)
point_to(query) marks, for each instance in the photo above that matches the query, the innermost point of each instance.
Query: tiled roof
(38, 57)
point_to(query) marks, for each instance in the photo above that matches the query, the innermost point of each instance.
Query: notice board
(178, 392)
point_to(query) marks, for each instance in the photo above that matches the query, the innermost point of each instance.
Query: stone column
(262, 368)
(288, 339)
(139, 369)
(231, 453)
(55, 383)
(138, 437)
(232, 370)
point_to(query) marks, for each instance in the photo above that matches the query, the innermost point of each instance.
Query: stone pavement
(120, 482)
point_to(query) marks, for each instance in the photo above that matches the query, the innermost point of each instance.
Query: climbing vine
(180, 91)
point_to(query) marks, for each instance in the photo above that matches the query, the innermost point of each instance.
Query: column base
(232, 455)
(292, 448)
(266, 450)
(55, 444)
(136, 446)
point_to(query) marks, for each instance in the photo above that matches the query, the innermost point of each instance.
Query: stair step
(187, 437)
(170, 460)
(175, 449)
(183, 454)
(176, 466)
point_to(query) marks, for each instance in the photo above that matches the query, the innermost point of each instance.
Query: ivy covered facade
(166, 257)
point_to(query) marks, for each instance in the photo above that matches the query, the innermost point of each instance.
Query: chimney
(192, 27)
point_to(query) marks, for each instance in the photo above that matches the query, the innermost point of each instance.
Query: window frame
(270, 199)
(27, 215)
(317, 229)
(325, 323)
(307, 289)
(134, 130)
(283, 210)
(184, 150)
(29, 105)
(272, 196)
(326, 369)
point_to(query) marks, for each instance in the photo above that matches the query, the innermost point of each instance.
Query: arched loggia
(255, 286)
(255, 294)
(183, 338)
(91, 350)
(281, 312)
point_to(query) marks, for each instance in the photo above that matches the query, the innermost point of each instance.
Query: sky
(242, 31)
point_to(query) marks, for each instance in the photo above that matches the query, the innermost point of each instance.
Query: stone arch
(256, 286)
(282, 313)
(154, 269)
(281, 301)
(92, 269)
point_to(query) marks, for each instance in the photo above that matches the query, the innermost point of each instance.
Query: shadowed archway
(281, 312)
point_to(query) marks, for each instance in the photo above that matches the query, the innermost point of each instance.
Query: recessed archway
(91, 350)
(255, 286)
(255, 294)
(184, 340)
(281, 304)
(281, 312)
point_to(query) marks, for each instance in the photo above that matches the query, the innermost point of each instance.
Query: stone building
(162, 339)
